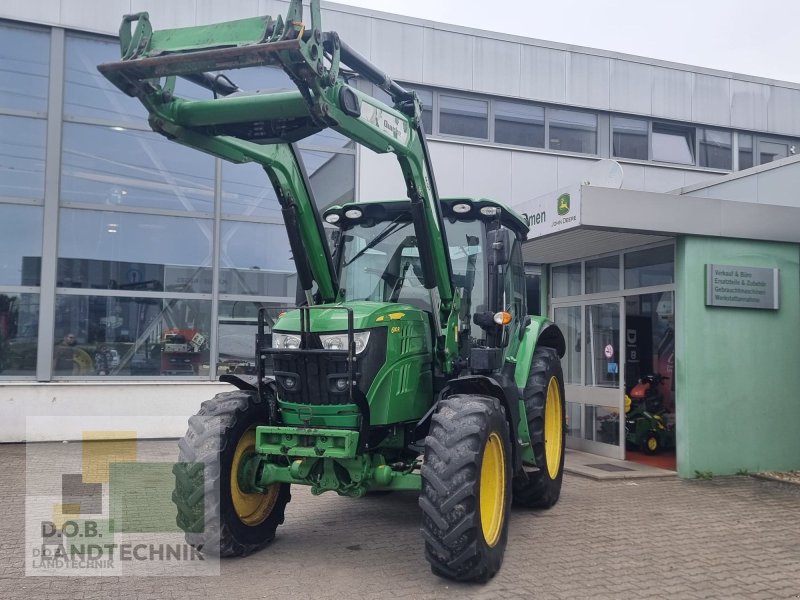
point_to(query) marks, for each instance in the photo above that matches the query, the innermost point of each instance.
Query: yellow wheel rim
(252, 508)
(493, 489)
(553, 428)
(652, 444)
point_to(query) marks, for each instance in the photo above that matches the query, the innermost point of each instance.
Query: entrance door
(594, 375)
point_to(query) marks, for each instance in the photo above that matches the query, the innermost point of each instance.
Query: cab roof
(466, 209)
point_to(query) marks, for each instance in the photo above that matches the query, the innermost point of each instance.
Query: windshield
(381, 263)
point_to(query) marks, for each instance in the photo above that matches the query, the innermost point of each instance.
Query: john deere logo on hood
(563, 204)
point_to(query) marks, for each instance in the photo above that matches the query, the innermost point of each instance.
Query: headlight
(338, 341)
(285, 341)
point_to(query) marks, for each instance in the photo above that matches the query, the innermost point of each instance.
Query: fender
(540, 331)
(267, 390)
(504, 389)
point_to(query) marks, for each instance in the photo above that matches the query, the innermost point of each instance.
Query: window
(116, 250)
(426, 98)
(22, 143)
(126, 336)
(518, 124)
(653, 266)
(602, 274)
(86, 92)
(601, 330)
(771, 151)
(568, 320)
(250, 265)
(117, 166)
(237, 326)
(24, 66)
(573, 131)
(566, 280)
(246, 190)
(745, 151)
(464, 117)
(20, 244)
(673, 143)
(515, 284)
(715, 148)
(629, 137)
(19, 330)
(466, 257)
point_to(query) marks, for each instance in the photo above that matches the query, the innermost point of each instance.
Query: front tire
(651, 443)
(466, 488)
(217, 516)
(546, 413)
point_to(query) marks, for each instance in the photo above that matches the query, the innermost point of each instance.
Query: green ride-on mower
(411, 364)
(646, 425)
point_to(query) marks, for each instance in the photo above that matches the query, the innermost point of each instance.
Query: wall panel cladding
(166, 15)
(588, 80)
(543, 74)
(532, 175)
(447, 57)
(448, 165)
(631, 87)
(496, 67)
(783, 113)
(749, 103)
(354, 29)
(487, 173)
(711, 100)
(41, 11)
(213, 11)
(95, 16)
(672, 93)
(387, 36)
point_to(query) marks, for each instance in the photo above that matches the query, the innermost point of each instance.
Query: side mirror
(498, 245)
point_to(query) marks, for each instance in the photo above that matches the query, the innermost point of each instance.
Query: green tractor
(411, 363)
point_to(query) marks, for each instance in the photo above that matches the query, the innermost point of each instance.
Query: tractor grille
(310, 376)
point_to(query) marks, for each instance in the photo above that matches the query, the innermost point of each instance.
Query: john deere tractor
(411, 363)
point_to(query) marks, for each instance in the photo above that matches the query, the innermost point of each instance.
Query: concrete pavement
(735, 537)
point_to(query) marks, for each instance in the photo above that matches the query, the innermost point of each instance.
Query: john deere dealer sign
(742, 287)
(553, 212)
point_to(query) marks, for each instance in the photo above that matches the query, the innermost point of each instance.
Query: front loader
(411, 363)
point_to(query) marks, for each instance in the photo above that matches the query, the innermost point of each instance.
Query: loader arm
(260, 127)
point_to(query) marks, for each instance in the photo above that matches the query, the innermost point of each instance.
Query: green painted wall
(738, 370)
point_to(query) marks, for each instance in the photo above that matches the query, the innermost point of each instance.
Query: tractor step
(306, 442)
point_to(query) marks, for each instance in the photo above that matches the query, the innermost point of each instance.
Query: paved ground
(650, 538)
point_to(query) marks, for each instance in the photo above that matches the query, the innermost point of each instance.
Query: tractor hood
(331, 317)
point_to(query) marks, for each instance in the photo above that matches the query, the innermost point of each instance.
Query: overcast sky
(745, 36)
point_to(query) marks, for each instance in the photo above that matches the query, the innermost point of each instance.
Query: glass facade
(566, 280)
(613, 339)
(629, 138)
(673, 143)
(518, 124)
(715, 148)
(602, 275)
(501, 120)
(573, 131)
(745, 151)
(464, 117)
(163, 254)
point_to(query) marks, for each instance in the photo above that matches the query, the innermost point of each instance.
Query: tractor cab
(377, 258)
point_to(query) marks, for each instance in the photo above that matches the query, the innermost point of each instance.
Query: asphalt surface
(736, 537)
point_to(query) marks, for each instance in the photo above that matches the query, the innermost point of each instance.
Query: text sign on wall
(742, 287)
(553, 212)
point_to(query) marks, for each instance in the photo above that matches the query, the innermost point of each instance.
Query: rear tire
(544, 397)
(218, 518)
(651, 443)
(466, 488)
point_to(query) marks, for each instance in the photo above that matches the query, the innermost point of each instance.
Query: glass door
(593, 374)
